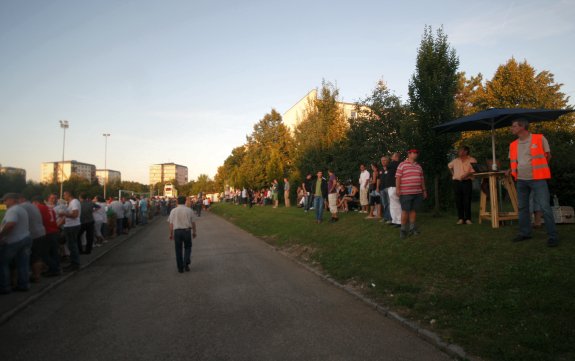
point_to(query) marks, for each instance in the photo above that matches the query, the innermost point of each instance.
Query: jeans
(318, 206)
(52, 255)
(462, 191)
(385, 204)
(119, 226)
(20, 253)
(72, 242)
(308, 199)
(143, 216)
(541, 198)
(183, 237)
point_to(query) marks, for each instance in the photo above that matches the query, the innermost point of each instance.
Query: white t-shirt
(181, 217)
(72, 206)
(20, 231)
(364, 179)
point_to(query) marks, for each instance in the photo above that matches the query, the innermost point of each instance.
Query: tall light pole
(64, 125)
(106, 135)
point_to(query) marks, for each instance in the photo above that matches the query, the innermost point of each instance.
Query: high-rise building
(294, 115)
(13, 171)
(62, 171)
(168, 171)
(108, 175)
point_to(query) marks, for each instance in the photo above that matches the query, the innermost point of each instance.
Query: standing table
(495, 214)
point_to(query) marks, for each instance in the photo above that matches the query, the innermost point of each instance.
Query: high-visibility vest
(538, 161)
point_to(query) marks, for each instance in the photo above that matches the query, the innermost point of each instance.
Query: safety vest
(538, 161)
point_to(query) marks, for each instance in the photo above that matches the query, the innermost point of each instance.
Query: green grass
(499, 300)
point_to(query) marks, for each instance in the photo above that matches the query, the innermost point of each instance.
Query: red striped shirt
(411, 178)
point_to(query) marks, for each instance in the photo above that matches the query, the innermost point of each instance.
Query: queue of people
(44, 237)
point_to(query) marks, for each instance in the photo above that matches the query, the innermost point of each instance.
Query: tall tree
(432, 91)
(322, 127)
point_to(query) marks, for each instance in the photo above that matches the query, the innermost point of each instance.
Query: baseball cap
(9, 196)
(413, 151)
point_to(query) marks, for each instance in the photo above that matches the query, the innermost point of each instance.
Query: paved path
(242, 301)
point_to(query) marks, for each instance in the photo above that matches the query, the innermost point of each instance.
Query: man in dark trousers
(182, 230)
(87, 223)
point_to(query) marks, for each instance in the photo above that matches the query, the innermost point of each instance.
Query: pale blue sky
(184, 81)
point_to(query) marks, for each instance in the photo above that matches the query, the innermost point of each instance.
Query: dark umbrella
(494, 118)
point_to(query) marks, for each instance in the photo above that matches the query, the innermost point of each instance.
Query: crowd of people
(44, 237)
(392, 190)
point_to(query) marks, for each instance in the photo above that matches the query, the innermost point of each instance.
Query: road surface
(241, 301)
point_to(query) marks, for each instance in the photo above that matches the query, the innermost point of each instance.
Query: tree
(374, 133)
(323, 126)
(432, 91)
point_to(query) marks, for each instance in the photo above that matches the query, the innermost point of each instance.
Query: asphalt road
(241, 301)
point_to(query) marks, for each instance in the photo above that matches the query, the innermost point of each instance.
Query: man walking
(319, 187)
(462, 173)
(286, 193)
(410, 185)
(332, 196)
(72, 227)
(363, 188)
(182, 230)
(15, 244)
(529, 156)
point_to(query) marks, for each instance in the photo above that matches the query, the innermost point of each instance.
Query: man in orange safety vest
(529, 156)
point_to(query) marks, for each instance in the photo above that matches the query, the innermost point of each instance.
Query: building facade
(108, 176)
(294, 115)
(167, 172)
(13, 171)
(56, 172)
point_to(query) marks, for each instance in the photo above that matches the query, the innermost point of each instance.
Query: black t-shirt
(382, 176)
(390, 176)
(308, 184)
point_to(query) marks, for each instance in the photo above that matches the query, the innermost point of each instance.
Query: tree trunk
(437, 204)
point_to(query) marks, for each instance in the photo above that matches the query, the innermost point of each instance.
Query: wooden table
(495, 214)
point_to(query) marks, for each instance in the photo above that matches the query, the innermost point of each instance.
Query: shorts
(363, 196)
(411, 202)
(373, 200)
(274, 197)
(332, 201)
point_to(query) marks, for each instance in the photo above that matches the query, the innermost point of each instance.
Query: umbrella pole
(494, 165)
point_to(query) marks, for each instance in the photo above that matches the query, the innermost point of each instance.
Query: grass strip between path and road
(469, 283)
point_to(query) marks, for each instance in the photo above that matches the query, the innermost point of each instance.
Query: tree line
(438, 92)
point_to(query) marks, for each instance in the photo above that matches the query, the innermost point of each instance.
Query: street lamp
(64, 125)
(106, 135)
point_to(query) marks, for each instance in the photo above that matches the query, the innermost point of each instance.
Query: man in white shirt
(72, 227)
(182, 230)
(363, 188)
(119, 211)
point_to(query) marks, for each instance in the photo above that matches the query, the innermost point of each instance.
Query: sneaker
(468, 222)
(414, 232)
(402, 234)
(459, 221)
(520, 238)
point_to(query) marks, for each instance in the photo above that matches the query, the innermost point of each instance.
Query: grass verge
(499, 300)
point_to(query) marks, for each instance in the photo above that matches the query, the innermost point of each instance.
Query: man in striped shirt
(410, 186)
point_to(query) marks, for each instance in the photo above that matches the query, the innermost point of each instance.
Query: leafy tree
(323, 126)
(374, 133)
(432, 92)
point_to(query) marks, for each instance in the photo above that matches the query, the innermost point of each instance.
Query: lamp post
(106, 135)
(64, 125)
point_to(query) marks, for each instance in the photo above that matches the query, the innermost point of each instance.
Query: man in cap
(410, 186)
(15, 244)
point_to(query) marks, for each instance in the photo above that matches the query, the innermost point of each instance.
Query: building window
(353, 115)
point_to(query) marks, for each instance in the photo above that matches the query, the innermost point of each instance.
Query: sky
(185, 81)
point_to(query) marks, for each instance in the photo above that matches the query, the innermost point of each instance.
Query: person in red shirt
(50, 250)
(410, 186)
